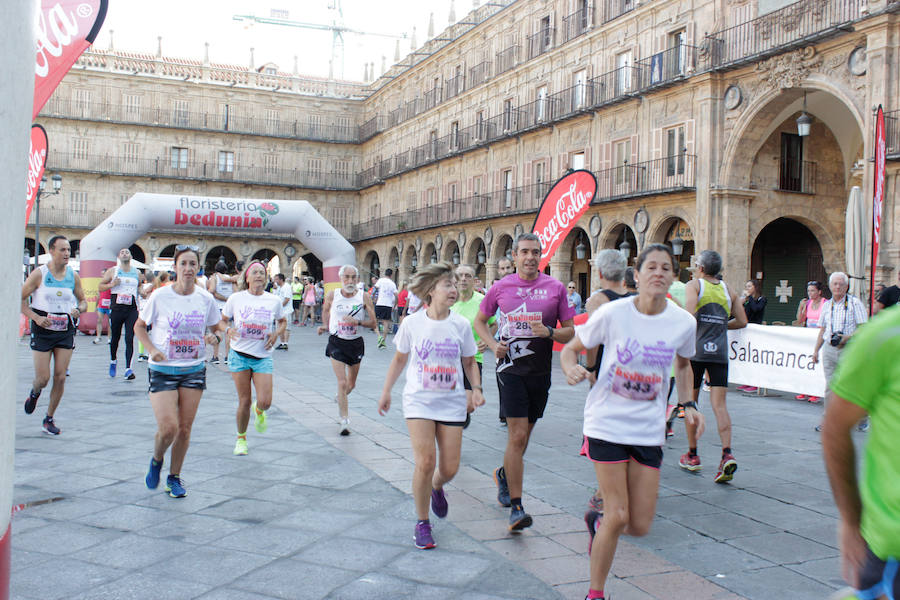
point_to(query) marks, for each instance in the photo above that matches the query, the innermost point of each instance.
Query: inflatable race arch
(200, 214)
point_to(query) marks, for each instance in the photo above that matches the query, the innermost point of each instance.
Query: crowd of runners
(637, 346)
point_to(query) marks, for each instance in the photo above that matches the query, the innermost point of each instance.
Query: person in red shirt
(401, 302)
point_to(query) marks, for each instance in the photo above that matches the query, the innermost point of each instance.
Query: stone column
(561, 269)
(730, 225)
(490, 273)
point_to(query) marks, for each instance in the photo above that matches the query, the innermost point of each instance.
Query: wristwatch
(551, 330)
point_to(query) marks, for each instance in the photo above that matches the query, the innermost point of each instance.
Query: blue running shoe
(502, 488)
(439, 503)
(129, 374)
(152, 478)
(518, 518)
(175, 487)
(112, 368)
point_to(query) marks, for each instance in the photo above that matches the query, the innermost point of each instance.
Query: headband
(247, 270)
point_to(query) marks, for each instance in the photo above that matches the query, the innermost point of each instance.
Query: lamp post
(456, 256)
(481, 256)
(625, 249)
(677, 245)
(804, 122)
(580, 249)
(57, 184)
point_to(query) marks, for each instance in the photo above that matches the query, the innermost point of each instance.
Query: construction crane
(336, 28)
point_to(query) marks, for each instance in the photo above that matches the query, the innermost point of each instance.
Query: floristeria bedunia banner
(64, 29)
(563, 205)
(37, 160)
(878, 199)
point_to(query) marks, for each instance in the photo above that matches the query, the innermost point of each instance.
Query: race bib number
(104, 302)
(438, 379)
(184, 348)
(254, 331)
(519, 324)
(124, 298)
(58, 322)
(346, 329)
(636, 386)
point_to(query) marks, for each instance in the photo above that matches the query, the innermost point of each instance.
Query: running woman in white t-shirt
(259, 318)
(625, 411)
(344, 313)
(434, 399)
(180, 315)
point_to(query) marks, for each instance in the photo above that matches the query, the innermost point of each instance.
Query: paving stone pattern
(310, 514)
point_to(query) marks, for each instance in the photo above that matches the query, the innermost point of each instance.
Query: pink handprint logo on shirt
(175, 321)
(629, 352)
(424, 350)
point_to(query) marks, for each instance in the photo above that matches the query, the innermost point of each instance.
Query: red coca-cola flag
(567, 200)
(64, 29)
(37, 160)
(878, 197)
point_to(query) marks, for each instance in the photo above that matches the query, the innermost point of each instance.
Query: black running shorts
(44, 340)
(167, 382)
(609, 452)
(383, 313)
(718, 373)
(523, 396)
(349, 352)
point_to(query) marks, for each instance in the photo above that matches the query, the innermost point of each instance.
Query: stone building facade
(686, 113)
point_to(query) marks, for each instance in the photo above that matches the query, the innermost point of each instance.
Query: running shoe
(863, 426)
(262, 421)
(749, 389)
(129, 374)
(31, 402)
(240, 447)
(225, 360)
(175, 486)
(590, 519)
(802, 397)
(669, 431)
(518, 518)
(381, 342)
(688, 462)
(502, 488)
(49, 426)
(705, 387)
(423, 538)
(814, 399)
(214, 360)
(439, 503)
(726, 469)
(96, 341)
(112, 369)
(595, 504)
(345, 427)
(819, 428)
(142, 357)
(152, 478)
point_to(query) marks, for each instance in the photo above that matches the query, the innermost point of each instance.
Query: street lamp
(625, 249)
(456, 256)
(433, 256)
(481, 256)
(580, 249)
(414, 262)
(677, 245)
(804, 122)
(57, 184)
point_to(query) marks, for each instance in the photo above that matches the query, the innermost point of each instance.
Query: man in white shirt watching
(384, 305)
(286, 293)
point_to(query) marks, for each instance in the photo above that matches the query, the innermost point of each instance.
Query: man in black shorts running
(530, 305)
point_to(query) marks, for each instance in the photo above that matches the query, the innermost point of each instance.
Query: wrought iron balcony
(166, 168)
(534, 114)
(892, 134)
(578, 98)
(371, 128)
(454, 87)
(65, 108)
(506, 59)
(52, 216)
(578, 23)
(540, 42)
(616, 85)
(479, 73)
(646, 178)
(432, 98)
(795, 25)
(413, 107)
(797, 176)
(617, 8)
(668, 66)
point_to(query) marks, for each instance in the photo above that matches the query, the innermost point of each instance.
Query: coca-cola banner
(64, 29)
(37, 160)
(563, 205)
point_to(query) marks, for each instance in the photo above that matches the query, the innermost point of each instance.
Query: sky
(185, 25)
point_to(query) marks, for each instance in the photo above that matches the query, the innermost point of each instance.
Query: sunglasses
(183, 247)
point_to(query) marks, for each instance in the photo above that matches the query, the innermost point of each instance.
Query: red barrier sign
(567, 200)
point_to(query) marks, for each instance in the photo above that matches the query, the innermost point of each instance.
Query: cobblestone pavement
(310, 514)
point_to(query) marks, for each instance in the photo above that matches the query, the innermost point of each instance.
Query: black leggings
(117, 319)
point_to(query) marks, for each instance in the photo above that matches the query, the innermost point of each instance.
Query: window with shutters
(315, 125)
(342, 170)
(123, 198)
(226, 161)
(80, 148)
(130, 152)
(339, 217)
(271, 163)
(507, 188)
(82, 102)
(675, 151)
(314, 169)
(622, 151)
(272, 120)
(181, 115)
(78, 203)
(538, 180)
(179, 158)
(132, 107)
(577, 161)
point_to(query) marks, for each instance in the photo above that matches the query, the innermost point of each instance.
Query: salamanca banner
(64, 29)
(37, 160)
(567, 200)
(780, 358)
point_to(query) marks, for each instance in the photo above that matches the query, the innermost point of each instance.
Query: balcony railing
(669, 65)
(59, 217)
(203, 171)
(617, 8)
(540, 42)
(796, 176)
(576, 24)
(371, 128)
(413, 107)
(483, 206)
(395, 116)
(572, 100)
(479, 73)
(158, 117)
(795, 25)
(892, 134)
(432, 98)
(534, 114)
(616, 85)
(645, 178)
(454, 87)
(506, 59)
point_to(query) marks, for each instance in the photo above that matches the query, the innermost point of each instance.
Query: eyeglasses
(571, 287)
(183, 247)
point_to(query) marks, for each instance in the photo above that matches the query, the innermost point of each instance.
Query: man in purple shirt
(530, 305)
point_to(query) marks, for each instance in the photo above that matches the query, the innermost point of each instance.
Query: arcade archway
(223, 253)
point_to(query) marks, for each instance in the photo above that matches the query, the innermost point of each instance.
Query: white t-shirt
(254, 319)
(387, 292)
(413, 303)
(627, 405)
(343, 307)
(179, 324)
(285, 292)
(434, 382)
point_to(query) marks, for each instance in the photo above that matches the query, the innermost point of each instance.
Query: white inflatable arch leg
(199, 215)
